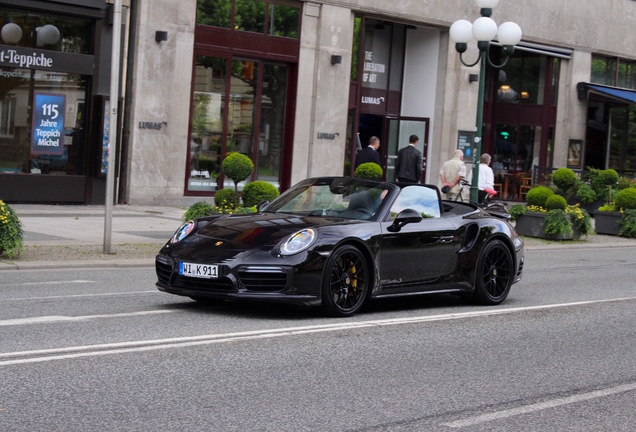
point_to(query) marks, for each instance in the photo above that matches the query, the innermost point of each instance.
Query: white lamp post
(484, 30)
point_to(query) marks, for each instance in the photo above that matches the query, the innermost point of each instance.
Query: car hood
(249, 231)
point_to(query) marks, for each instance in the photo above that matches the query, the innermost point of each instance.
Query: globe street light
(484, 30)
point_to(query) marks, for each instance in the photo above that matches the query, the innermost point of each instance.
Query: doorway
(398, 132)
(373, 125)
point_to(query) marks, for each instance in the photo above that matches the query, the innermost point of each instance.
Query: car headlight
(183, 232)
(298, 242)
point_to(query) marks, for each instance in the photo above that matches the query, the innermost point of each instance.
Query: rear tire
(346, 281)
(495, 274)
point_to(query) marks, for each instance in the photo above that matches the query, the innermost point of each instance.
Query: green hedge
(257, 191)
(564, 179)
(538, 195)
(555, 202)
(369, 170)
(626, 199)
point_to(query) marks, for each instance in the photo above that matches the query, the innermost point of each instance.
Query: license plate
(205, 271)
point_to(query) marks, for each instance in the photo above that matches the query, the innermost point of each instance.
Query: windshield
(336, 197)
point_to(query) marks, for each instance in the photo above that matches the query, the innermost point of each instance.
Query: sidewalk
(58, 236)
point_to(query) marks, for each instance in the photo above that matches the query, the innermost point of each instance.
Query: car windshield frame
(341, 197)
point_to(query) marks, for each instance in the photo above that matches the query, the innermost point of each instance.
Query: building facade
(298, 86)
(54, 81)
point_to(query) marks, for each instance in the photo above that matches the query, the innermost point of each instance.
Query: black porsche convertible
(336, 242)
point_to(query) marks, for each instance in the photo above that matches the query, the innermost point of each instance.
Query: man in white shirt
(486, 176)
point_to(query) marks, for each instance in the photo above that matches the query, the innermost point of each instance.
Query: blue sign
(48, 124)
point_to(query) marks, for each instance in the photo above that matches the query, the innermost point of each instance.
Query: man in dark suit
(408, 168)
(369, 153)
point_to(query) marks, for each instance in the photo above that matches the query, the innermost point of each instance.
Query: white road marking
(553, 403)
(111, 294)
(77, 281)
(189, 341)
(60, 318)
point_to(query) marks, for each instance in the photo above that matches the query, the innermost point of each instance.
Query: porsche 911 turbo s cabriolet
(336, 242)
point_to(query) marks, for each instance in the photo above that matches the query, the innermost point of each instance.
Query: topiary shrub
(601, 181)
(564, 179)
(538, 195)
(608, 177)
(197, 210)
(555, 202)
(226, 199)
(238, 167)
(257, 191)
(369, 170)
(626, 199)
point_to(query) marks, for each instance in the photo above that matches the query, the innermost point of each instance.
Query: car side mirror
(261, 206)
(406, 216)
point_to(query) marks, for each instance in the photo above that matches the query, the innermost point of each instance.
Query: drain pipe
(122, 196)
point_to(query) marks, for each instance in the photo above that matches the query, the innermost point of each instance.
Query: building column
(323, 91)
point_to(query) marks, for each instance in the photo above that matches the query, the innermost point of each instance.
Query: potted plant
(618, 217)
(10, 231)
(547, 215)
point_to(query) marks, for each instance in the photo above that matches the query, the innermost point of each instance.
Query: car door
(421, 253)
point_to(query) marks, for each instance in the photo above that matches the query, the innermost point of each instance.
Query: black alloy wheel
(495, 274)
(345, 283)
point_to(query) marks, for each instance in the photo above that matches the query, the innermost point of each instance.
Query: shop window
(250, 16)
(255, 102)
(204, 165)
(42, 122)
(357, 29)
(522, 80)
(216, 13)
(627, 74)
(280, 18)
(272, 124)
(7, 116)
(604, 70)
(51, 32)
(376, 55)
(285, 21)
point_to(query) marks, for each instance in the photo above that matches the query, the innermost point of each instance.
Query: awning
(619, 94)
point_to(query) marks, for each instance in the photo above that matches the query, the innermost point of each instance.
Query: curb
(150, 262)
(60, 265)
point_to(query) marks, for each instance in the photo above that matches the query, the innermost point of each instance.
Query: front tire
(495, 274)
(346, 282)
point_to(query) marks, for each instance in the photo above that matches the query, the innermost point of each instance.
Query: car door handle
(446, 239)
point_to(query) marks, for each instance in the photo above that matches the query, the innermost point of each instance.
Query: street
(102, 349)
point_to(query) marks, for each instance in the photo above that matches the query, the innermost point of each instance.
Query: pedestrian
(408, 168)
(486, 176)
(451, 173)
(369, 153)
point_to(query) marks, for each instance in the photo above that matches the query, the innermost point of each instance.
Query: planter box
(531, 225)
(607, 222)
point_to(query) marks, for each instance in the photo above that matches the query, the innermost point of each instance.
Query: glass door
(397, 137)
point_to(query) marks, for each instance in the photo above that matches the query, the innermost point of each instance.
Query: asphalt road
(96, 350)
